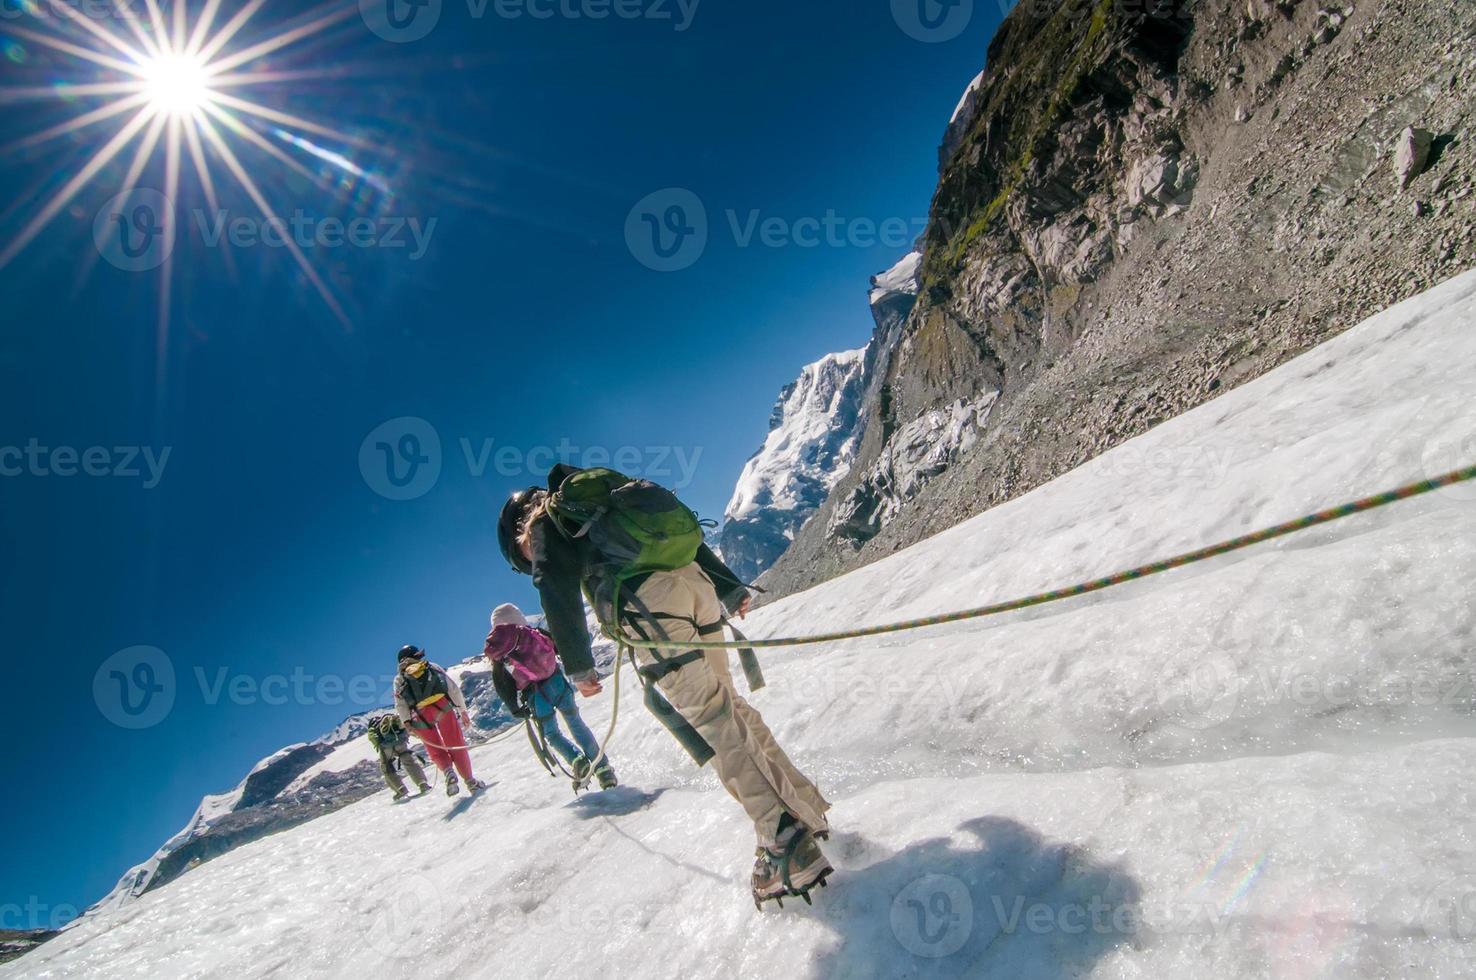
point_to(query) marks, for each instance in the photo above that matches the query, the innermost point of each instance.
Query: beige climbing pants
(753, 769)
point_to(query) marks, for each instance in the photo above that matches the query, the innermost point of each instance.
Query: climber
(390, 739)
(526, 671)
(429, 701)
(637, 552)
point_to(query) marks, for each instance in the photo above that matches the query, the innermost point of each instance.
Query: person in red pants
(431, 704)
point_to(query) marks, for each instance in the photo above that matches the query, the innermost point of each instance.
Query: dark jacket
(564, 568)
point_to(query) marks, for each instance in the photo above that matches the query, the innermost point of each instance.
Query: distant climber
(430, 702)
(527, 674)
(638, 553)
(391, 740)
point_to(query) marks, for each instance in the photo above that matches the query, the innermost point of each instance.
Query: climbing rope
(493, 740)
(1056, 595)
(614, 715)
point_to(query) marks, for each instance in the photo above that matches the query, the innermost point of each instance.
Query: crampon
(794, 873)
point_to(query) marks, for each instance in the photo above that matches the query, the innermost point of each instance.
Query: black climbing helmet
(510, 523)
(410, 652)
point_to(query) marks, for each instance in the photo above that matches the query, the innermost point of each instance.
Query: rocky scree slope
(1137, 211)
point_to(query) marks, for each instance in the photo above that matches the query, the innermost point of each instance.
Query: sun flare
(174, 84)
(177, 84)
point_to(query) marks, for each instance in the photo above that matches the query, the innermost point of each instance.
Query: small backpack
(635, 525)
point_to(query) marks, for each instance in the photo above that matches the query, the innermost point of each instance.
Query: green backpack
(635, 525)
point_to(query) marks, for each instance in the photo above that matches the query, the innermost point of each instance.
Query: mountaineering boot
(423, 787)
(401, 794)
(452, 786)
(581, 774)
(606, 775)
(794, 869)
(475, 785)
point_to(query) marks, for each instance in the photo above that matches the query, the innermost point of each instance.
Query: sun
(176, 81)
(177, 84)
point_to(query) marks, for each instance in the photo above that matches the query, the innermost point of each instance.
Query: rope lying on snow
(1096, 585)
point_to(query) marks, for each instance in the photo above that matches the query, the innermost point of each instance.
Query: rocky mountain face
(1140, 206)
(18, 942)
(814, 433)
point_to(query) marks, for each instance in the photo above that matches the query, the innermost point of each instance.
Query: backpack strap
(681, 729)
(540, 748)
(664, 666)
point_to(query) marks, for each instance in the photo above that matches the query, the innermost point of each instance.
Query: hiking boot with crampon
(475, 785)
(401, 794)
(606, 775)
(452, 786)
(793, 870)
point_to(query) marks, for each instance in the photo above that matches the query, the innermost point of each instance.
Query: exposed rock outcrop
(1154, 203)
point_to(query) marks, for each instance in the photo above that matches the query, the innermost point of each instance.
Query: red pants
(444, 744)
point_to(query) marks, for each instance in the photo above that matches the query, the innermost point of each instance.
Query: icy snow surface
(1258, 767)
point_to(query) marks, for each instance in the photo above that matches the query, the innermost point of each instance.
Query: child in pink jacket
(529, 678)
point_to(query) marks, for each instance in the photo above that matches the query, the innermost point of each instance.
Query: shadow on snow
(1011, 904)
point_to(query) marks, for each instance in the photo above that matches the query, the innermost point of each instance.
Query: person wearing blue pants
(555, 697)
(526, 671)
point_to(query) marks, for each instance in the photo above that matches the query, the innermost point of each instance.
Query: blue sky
(258, 548)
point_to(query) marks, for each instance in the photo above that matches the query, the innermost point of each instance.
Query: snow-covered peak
(810, 446)
(900, 278)
(961, 120)
(800, 445)
(965, 102)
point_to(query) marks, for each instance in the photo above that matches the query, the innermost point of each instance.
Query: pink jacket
(529, 655)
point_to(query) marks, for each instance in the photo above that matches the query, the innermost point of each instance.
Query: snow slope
(1257, 767)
